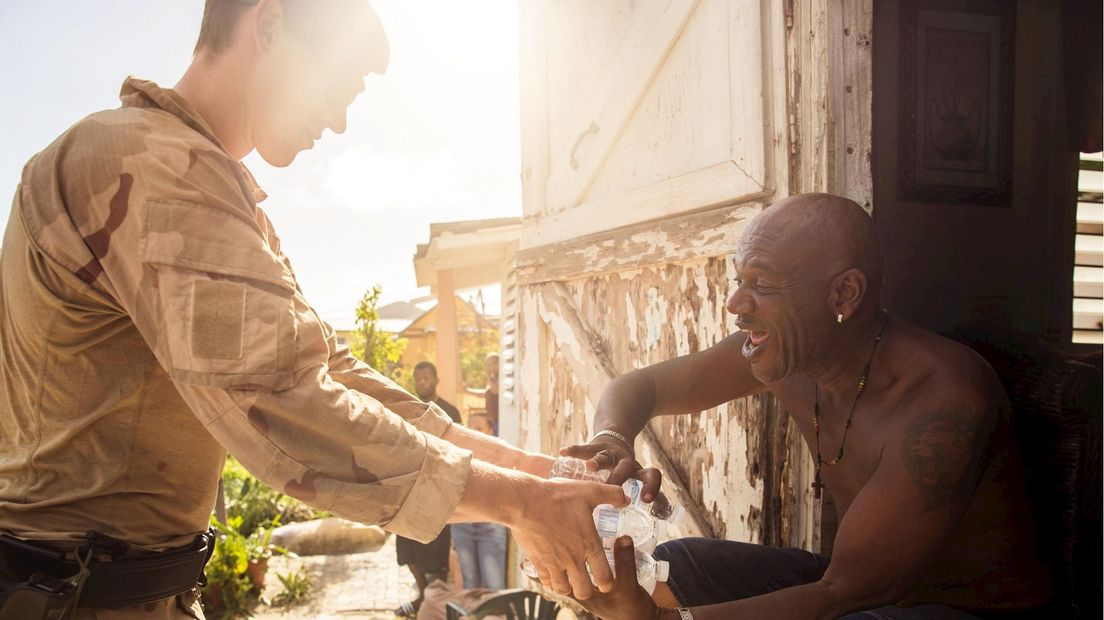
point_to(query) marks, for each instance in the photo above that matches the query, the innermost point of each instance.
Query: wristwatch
(685, 614)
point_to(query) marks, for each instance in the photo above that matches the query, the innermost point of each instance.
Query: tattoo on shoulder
(941, 452)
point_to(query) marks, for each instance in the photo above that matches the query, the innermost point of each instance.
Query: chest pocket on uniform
(225, 303)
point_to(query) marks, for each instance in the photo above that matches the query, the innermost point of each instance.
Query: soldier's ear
(268, 19)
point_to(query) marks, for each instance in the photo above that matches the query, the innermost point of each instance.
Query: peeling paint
(630, 317)
(687, 239)
(655, 318)
(557, 323)
(682, 311)
(529, 335)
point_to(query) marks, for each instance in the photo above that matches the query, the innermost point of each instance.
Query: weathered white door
(639, 110)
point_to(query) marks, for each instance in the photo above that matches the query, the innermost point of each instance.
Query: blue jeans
(705, 571)
(481, 549)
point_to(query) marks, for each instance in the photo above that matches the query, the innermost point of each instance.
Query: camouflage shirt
(149, 322)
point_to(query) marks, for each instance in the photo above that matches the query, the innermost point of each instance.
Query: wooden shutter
(1088, 271)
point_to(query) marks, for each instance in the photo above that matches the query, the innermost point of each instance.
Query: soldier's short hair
(220, 18)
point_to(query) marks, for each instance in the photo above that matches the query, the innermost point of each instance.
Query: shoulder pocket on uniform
(226, 308)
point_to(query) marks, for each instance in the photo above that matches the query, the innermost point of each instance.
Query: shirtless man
(915, 442)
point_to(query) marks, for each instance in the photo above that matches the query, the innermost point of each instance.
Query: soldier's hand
(556, 530)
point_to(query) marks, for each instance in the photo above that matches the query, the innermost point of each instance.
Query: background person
(430, 560)
(490, 365)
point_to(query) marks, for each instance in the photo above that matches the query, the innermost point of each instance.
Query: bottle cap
(662, 570)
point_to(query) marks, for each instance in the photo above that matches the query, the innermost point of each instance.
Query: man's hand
(606, 452)
(556, 530)
(627, 600)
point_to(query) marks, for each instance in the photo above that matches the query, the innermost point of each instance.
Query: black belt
(119, 582)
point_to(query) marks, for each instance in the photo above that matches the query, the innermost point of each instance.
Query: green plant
(476, 345)
(256, 503)
(474, 349)
(404, 377)
(235, 573)
(296, 584)
(375, 347)
(229, 588)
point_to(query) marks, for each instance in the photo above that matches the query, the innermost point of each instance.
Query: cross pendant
(817, 486)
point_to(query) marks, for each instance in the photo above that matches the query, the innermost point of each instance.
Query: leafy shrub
(296, 585)
(231, 589)
(258, 504)
(243, 545)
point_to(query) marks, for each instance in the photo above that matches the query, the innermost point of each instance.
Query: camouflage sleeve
(250, 357)
(356, 375)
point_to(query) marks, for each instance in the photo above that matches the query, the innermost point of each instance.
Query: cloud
(364, 179)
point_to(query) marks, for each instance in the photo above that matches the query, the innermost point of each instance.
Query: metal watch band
(685, 614)
(618, 437)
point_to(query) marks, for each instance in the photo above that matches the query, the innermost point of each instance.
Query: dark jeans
(705, 571)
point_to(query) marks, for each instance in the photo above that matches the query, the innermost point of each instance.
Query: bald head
(809, 276)
(822, 233)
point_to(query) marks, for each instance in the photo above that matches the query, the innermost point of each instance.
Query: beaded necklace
(818, 482)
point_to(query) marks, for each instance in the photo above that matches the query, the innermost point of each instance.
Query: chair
(513, 604)
(1056, 403)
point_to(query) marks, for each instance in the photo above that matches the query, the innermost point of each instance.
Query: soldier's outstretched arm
(356, 375)
(498, 452)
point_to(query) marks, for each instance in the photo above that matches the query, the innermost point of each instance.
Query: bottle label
(606, 520)
(633, 488)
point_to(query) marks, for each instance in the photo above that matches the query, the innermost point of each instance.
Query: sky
(436, 139)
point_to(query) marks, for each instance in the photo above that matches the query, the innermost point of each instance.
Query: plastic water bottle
(632, 521)
(675, 520)
(644, 523)
(576, 469)
(649, 571)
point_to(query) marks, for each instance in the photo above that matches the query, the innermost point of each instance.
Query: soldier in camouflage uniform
(149, 322)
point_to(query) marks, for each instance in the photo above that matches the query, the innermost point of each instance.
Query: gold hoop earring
(839, 318)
